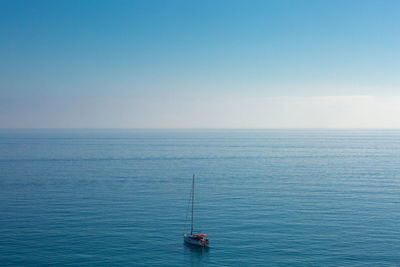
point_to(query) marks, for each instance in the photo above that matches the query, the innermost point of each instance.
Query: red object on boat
(202, 235)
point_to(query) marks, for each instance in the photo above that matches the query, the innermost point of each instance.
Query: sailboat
(194, 239)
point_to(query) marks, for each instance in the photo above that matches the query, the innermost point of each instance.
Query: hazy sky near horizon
(194, 64)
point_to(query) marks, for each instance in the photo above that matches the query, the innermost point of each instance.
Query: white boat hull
(192, 240)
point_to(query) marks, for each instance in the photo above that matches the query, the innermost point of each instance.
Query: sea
(119, 197)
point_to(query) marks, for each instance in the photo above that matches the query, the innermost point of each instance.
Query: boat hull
(192, 240)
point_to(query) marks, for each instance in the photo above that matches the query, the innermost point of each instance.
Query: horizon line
(198, 128)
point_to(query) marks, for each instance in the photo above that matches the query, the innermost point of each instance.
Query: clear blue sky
(172, 63)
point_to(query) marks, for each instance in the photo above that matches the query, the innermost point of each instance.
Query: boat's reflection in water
(195, 254)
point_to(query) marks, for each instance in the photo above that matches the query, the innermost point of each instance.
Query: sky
(200, 64)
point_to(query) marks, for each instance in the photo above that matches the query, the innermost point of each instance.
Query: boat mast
(191, 231)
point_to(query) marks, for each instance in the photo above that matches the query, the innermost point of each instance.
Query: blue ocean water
(265, 197)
